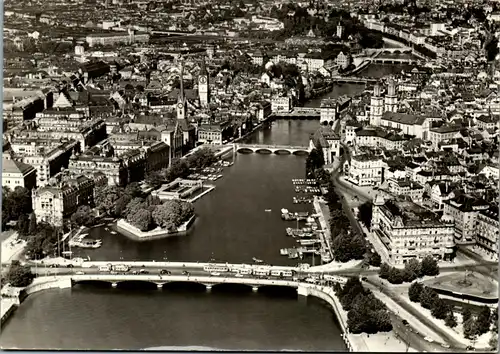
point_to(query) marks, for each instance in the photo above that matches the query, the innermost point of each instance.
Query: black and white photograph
(250, 175)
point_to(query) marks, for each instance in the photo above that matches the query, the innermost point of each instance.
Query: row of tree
(413, 270)
(346, 243)
(365, 313)
(473, 326)
(180, 168)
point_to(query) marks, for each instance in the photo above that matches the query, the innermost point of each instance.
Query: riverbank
(379, 342)
(13, 297)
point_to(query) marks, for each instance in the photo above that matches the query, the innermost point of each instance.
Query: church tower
(340, 30)
(181, 99)
(376, 106)
(203, 85)
(391, 99)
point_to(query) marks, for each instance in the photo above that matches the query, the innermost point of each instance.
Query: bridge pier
(255, 289)
(114, 285)
(159, 286)
(209, 288)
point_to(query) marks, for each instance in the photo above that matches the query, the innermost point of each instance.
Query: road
(410, 309)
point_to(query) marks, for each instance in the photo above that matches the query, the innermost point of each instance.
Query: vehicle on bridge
(105, 268)
(216, 268)
(121, 268)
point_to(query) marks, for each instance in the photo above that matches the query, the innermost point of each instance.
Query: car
(364, 278)
(69, 266)
(405, 322)
(135, 272)
(164, 271)
(215, 274)
(428, 339)
(238, 275)
(185, 273)
(113, 273)
(470, 347)
(143, 271)
(80, 273)
(444, 345)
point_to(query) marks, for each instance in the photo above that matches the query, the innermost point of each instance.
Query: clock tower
(203, 85)
(181, 99)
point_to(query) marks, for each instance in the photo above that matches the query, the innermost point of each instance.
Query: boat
(289, 231)
(308, 242)
(106, 228)
(256, 260)
(293, 253)
(268, 210)
(99, 225)
(284, 251)
(113, 232)
(219, 176)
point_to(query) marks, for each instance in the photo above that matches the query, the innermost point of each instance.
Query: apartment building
(409, 231)
(366, 170)
(408, 188)
(462, 211)
(487, 229)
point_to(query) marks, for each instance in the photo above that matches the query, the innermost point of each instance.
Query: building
(214, 134)
(106, 39)
(53, 203)
(365, 170)
(463, 211)
(17, 174)
(328, 141)
(443, 133)
(487, 227)
(408, 231)
(376, 106)
(328, 111)
(281, 104)
(204, 85)
(408, 188)
(391, 99)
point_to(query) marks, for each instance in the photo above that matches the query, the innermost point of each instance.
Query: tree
(413, 269)
(429, 266)
(19, 275)
(106, 198)
(494, 319)
(466, 314)
(470, 328)
(440, 309)
(23, 224)
(178, 168)
(32, 224)
(154, 178)
(314, 161)
(365, 213)
(348, 246)
(384, 271)
(375, 259)
(428, 297)
(201, 158)
(140, 219)
(351, 289)
(484, 320)
(83, 216)
(414, 291)
(493, 342)
(134, 190)
(450, 320)
(134, 206)
(395, 276)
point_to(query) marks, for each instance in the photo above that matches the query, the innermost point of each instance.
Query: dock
(300, 182)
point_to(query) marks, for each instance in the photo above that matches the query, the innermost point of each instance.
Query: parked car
(80, 273)
(405, 322)
(164, 271)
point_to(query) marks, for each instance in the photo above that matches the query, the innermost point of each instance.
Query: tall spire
(203, 69)
(182, 80)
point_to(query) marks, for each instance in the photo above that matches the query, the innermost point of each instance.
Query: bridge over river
(275, 149)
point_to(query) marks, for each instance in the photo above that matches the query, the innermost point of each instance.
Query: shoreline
(124, 228)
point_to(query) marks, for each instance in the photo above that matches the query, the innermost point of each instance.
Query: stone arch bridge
(274, 149)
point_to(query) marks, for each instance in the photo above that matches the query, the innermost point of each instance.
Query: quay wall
(38, 284)
(328, 295)
(123, 225)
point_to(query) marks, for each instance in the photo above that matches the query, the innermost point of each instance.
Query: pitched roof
(12, 166)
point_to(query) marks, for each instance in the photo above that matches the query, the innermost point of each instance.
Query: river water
(232, 225)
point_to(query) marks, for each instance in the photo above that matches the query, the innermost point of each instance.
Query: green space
(472, 284)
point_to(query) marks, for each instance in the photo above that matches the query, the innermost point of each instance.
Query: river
(232, 225)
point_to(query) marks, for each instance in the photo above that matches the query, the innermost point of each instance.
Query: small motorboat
(268, 210)
(256, 260)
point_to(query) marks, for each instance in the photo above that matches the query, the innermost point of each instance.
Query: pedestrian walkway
(12, 248)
